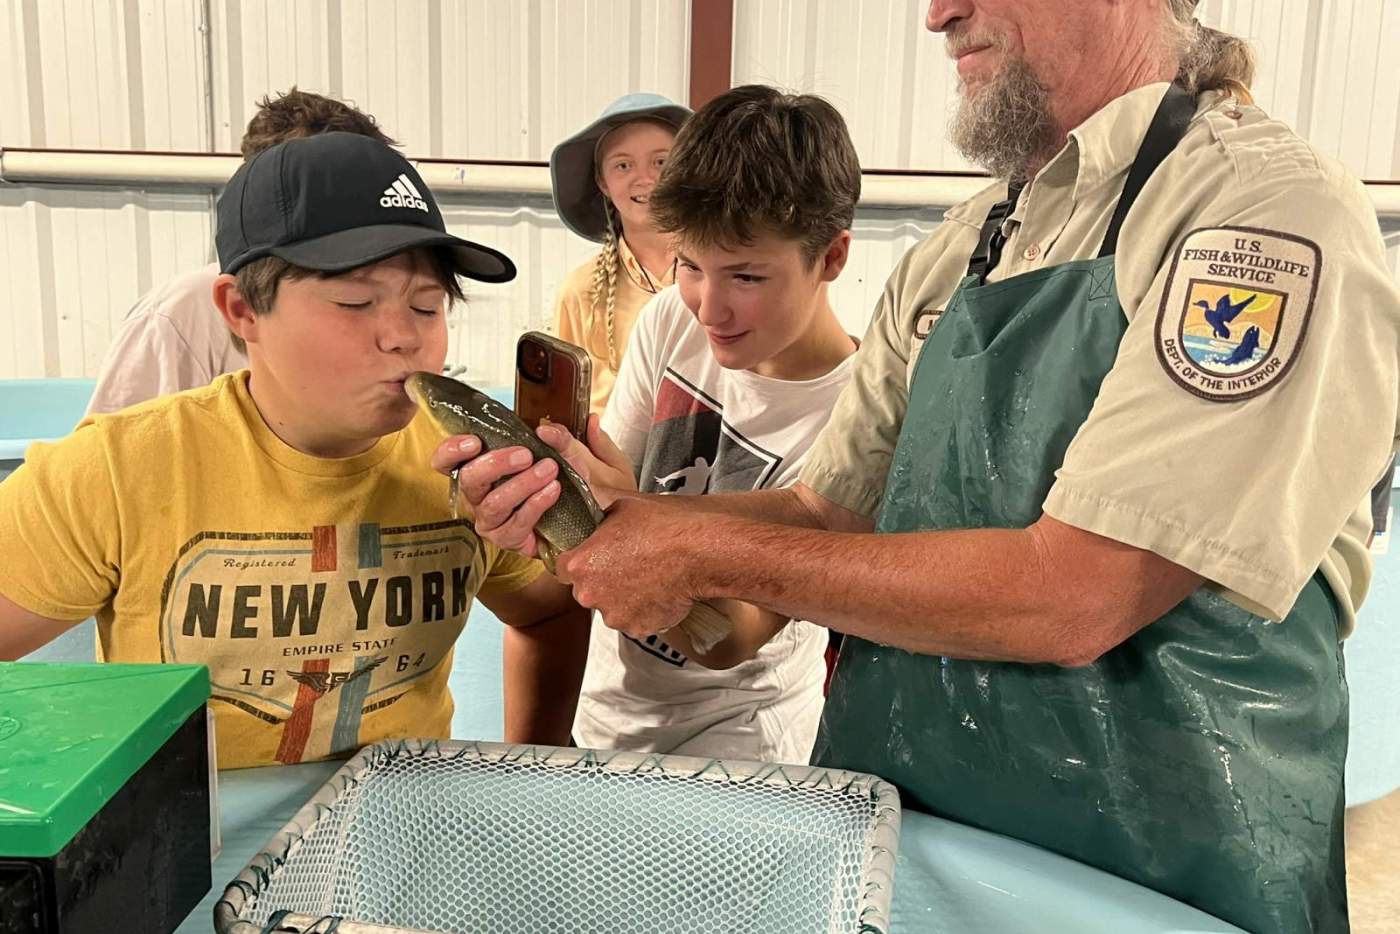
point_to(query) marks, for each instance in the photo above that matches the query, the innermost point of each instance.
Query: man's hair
(758, 161)
(297, 114)
(1210, 60)
(258, 281)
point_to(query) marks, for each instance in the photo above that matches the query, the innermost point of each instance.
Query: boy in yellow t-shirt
(282, 525)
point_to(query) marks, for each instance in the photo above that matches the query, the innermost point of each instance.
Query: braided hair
(604, 288)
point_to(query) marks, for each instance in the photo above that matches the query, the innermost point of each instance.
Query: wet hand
(636, 569)
(506, 491)
(601, 462)
(503, 515)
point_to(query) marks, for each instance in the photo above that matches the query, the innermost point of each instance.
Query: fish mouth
(413, 385)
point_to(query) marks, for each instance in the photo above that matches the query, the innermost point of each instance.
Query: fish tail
(706, 626)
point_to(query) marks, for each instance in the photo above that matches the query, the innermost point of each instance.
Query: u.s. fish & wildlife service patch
(1235, 310)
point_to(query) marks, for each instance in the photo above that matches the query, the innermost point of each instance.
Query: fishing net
(467, 837)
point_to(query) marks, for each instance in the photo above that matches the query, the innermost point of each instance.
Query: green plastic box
(104, 796)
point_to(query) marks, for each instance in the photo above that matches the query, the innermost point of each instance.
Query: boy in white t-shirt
(729, 376)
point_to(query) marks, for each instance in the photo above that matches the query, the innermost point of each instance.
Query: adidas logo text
(403, 194)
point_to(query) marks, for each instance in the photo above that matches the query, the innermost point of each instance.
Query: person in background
(603, 177)
(174, 338)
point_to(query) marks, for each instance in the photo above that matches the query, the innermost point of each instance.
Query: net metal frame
(859, 901)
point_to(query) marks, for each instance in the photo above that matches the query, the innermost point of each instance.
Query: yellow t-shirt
(324, 594)
(576, 321)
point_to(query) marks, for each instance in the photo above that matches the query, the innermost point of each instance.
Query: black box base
(140, 864)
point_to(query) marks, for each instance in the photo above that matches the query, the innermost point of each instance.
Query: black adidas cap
(335, 201)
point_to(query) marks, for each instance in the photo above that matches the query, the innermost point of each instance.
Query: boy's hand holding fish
(560, 517)
(607, 472)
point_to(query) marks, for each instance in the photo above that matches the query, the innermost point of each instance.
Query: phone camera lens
(535, 362)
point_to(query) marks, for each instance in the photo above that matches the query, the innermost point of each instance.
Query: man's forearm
(793, 506)
(543, 672)
(996, 594)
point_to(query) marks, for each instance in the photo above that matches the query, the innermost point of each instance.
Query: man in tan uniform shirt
(1116, 425)
(1149, 467)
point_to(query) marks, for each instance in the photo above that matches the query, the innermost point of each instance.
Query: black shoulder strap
(989, 244)
(1168, 127)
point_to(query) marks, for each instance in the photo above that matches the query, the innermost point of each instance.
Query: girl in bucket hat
(602, 178)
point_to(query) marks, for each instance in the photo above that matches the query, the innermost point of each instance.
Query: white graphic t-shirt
(692, 427)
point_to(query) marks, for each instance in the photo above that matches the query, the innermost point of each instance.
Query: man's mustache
(958, 41)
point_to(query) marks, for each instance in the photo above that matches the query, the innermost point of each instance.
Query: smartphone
(553, 380)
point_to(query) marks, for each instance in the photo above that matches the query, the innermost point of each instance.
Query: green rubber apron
(1204, 756)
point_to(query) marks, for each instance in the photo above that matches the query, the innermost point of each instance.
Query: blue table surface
(949, 877)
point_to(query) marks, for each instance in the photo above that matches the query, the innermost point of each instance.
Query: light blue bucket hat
(572, 169)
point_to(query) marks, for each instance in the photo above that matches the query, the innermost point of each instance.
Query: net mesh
(465, 837)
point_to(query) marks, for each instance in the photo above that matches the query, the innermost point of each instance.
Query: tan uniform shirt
(1254, 474)
(173, 339)
(576, 321)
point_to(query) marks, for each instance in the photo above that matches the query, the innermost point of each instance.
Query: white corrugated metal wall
(479, 79)
(495, 80)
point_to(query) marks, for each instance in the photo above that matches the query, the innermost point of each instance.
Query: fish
(459, 409)
(1245, 350)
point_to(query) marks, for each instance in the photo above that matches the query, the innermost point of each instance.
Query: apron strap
(1168, 127)
(989, 244)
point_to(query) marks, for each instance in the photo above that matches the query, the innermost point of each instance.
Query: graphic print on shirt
(691, 449)
(314, 629)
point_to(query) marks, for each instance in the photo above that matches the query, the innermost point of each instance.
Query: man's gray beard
(1007, 124)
